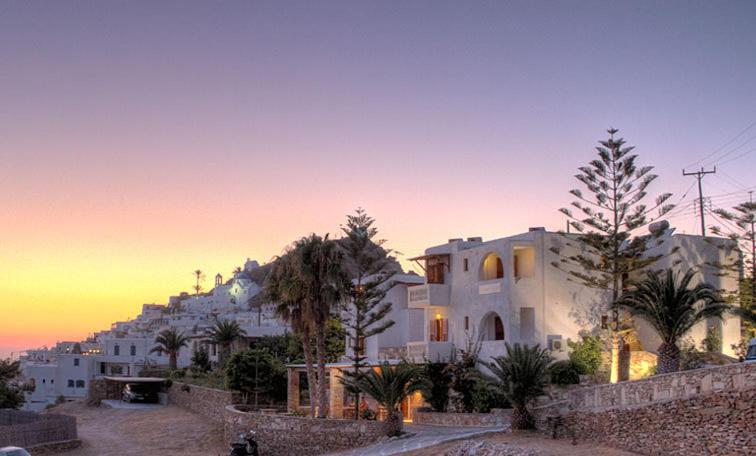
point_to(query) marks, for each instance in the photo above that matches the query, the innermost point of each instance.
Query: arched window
(492, 267)
(492, 327)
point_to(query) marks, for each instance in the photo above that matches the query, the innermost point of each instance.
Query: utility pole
(699, 175)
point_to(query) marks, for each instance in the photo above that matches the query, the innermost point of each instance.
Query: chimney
(475, 239)
(536, 228)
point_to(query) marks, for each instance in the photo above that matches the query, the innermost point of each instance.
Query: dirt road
(167, 431)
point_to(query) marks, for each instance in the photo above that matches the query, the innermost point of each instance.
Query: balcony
(430, 294)
(418, 352)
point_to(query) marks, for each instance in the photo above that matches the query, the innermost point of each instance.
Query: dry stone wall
(679, 385)
(207, 402)
(497, 417)
(717, 423)
(704, 411)
(283, 435)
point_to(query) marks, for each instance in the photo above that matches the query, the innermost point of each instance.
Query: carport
(113, 386)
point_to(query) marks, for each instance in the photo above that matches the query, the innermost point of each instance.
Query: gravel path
(419, 437)
(165, 431)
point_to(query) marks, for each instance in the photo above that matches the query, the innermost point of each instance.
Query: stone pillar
(336, 400)
(292, 395)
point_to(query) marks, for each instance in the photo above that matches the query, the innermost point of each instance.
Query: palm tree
(672, 307)
(521, 376)
(199, 275)
(284, 287)
(325, 284)
(389, 386)
(224, 334)
(170, 341)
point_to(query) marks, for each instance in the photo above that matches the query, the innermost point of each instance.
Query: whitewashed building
(507, 290)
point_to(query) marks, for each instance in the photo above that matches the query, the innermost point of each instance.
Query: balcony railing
(431, 294)
(418, 352)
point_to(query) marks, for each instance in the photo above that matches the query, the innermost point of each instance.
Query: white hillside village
(67, 369)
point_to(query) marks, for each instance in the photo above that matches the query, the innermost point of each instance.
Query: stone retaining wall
(27, 429)
(283, 435)
(207, 402)
(715, 423)
(497, 417)
(678, 385)
(703, 411)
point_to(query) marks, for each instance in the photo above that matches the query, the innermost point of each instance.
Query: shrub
(435, 390)
(564, 372)
(586, 353)
(485, 396)
(201, 360)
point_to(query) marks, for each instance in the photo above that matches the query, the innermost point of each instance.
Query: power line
(734, 138)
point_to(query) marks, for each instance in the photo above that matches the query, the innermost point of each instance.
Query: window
(52, 381)
(527, 323)
(492, 267)
(80, 383)
(133, 350)
(116, 350)
(465, 265)
(76, 361)
(71, 384)
(467, 323)
(44, 381)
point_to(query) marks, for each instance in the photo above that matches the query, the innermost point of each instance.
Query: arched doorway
(492, 327)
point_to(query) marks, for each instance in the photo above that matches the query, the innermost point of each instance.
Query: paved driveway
(422, 437)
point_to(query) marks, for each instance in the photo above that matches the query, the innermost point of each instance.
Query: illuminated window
(492, 267)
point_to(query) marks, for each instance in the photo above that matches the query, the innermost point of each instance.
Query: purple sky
(169, 135)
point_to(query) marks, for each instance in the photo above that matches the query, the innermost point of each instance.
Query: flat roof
(135, 379)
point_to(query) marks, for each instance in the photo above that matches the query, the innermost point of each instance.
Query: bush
(436, 388)
(201, 360)
(486, 396)
(586, 354)
(564, 373)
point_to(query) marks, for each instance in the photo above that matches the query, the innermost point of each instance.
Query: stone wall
(714, 423)
(703, 411)
(679, 385)
(28, 429)
(101, 389)
(497, 417)
(207, 402)
(282, 435)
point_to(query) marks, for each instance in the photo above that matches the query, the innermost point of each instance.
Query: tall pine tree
(606, 246)
(371, 267)
(739, 230)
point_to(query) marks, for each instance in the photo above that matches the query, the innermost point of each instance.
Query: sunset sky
(142, 140)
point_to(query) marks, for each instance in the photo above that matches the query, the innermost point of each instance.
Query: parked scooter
(245, 446)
